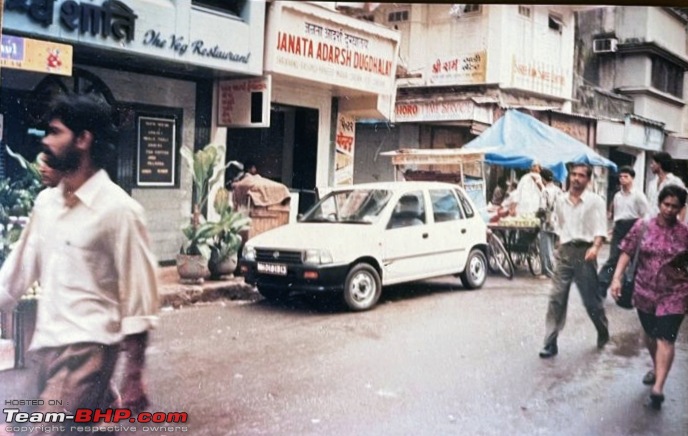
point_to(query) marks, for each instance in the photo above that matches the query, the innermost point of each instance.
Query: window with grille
(524, 11)
(395, 17)
(472, 8)
(232, 7)
(667, 77)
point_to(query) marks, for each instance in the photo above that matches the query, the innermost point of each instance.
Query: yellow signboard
(34, 55)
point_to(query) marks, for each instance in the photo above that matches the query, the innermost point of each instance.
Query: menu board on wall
(157, 145)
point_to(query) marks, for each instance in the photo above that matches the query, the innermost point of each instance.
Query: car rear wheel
(362, 287)
(473, 277)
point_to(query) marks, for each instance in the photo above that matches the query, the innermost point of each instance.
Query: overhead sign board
(33, 55)
(244, 102)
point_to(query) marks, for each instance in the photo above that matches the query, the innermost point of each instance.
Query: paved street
(431, 359)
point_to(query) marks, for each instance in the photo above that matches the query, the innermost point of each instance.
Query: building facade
(326, 71)
(633, 60)
(157, 63)
(462, 65)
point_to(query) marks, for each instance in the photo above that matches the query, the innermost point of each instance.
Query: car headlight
(249, 253)
(317, 257)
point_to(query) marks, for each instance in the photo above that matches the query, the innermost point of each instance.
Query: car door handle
(463, 231)
(425, 236)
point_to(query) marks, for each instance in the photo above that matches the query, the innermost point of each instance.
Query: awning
(518, 140)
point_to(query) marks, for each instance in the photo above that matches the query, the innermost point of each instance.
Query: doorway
(285, 152)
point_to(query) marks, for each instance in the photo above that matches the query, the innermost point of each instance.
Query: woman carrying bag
(660, 297)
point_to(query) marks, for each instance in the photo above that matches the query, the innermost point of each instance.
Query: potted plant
(206, 169)
(226, 240)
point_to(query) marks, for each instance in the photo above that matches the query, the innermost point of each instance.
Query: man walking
(581, 226)
(87, 244)
(662, 165)
(628, 205)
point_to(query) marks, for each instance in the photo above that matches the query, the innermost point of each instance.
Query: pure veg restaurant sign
(156, 151)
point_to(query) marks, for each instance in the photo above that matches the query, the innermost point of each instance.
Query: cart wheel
(533, 258)
(498, 258)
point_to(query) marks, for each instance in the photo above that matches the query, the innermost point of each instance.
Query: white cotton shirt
(630, 205)
(653, 190)
(583, 221)
(527, 195)
(96, 271)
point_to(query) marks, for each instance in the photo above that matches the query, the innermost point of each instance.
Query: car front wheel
(473, 277)
(362, 287)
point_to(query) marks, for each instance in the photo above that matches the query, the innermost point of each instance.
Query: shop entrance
(23, 113)
(285, 152)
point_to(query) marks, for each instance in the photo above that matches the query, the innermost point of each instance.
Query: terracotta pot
(222, 267)
(192, 268)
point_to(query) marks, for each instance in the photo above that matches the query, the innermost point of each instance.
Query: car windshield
(357, 206)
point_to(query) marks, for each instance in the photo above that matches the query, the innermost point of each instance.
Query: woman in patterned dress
(661, 288)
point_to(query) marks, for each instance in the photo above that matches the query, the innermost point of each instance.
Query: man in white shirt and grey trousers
(580, 222)
(87, 245)
(628, 205)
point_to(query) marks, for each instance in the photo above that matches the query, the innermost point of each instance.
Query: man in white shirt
(526, 198)
(581, 225)
(628, 205)
(662, 165)
(87, 245)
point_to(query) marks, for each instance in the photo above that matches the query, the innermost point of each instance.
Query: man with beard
(87, 244)
(580, 223)
(132, 393)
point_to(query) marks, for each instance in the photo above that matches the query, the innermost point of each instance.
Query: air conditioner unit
(604, 45)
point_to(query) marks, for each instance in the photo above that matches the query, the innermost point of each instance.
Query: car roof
(397, 186)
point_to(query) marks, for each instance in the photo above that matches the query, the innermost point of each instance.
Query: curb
(177, 295)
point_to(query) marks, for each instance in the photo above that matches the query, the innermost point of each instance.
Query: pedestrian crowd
(574, 227)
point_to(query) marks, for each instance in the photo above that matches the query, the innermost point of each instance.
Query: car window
(445, 205)
(467, 208)
(409, 211)
(357, 206)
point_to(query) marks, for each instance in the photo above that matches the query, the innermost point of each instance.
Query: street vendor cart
(520, 236)
(462, 167)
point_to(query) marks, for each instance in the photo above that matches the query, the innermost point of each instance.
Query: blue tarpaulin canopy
(517, 140)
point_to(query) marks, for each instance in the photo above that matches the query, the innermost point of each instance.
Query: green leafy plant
(206, 168)
(16, 202)
(226, 239)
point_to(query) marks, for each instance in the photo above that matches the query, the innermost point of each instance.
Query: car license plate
(272, 268)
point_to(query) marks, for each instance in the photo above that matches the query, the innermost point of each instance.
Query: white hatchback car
(362, 237)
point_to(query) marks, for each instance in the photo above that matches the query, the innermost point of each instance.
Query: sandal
(656, 401)
(649, 378)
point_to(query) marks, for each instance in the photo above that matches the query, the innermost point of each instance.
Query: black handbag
(625, 300)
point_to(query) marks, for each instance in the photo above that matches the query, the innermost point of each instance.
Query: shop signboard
(157, 148)
(244, 102)
(345, 141)
(33, 55)
(461, 69)
(174, 31)
(309, 42)
(541, 77)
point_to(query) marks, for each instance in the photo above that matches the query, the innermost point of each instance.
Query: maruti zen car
(360, 238)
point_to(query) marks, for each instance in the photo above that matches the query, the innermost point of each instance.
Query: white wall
(658, 109)
(166, 209)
